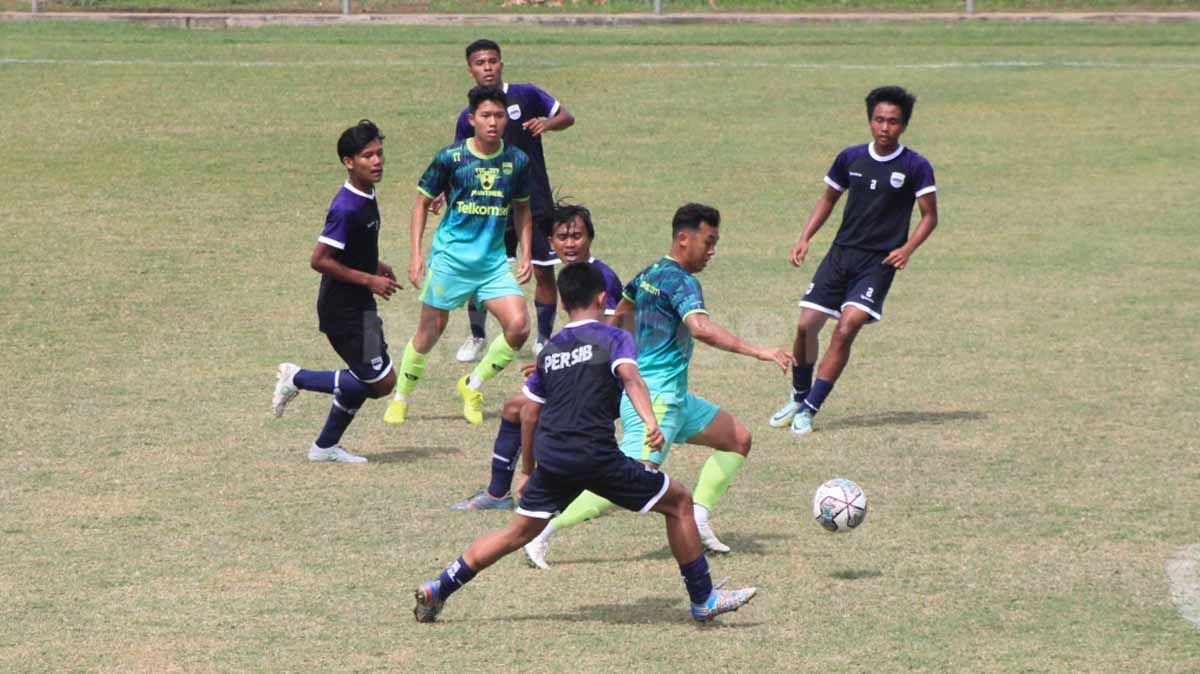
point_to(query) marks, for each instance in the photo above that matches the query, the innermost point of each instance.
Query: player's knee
(517, 332)
(742, 440)
(511, 411)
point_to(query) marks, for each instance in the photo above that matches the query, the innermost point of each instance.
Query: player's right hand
(527, 369)
(799, 252)
(780, 357)
(522, 481)
(383, 286)
(436, 205)
(654, 437)
(416, 269)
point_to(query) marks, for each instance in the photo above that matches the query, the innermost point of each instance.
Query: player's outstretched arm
(416, 232)
(324, 262)
(639, 395)
(711, 333)
(531, 411)
(816, 219)
(928, 204)
(623, 318)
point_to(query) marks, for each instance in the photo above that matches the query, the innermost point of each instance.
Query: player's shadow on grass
(907, 418)
(742, 545)
(410, 454)
(657, 610)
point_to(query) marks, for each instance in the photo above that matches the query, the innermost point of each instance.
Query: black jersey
(882, 193)
(352, 227)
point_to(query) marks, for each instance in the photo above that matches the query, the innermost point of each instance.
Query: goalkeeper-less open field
(1024, 420)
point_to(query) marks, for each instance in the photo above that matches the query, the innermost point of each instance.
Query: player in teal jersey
(483, 181)
(667, 305)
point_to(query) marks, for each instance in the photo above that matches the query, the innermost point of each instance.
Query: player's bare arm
(623, 318)
(562, 120)
(713, 334)
(530, 413)
(639, 396)
(524, 223)
(928, 204)
(416, 232)
(324, 262)
(820, 214)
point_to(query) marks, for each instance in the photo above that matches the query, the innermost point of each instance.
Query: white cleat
(470, 349)
(802, 423)
(285, 388)
(538, 345)
(784, 416)
(709, 540)
(535, 552)
(333, 454)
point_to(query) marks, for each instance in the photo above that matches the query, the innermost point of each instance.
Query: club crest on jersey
(377, 363)
(487, 177)
(897, 179)
(506, 168)
(514, 111)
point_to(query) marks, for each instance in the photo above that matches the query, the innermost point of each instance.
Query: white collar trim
(871, 149)
(576, 324)
(359, 193)
(505, 87)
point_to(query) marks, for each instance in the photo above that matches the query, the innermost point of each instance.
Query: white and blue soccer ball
(840, 505)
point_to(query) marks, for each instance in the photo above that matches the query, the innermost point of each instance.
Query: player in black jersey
(574, 394)
(884, 179)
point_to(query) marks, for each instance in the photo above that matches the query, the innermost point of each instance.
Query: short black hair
(689, 216)
(578, 285)
(483, 93)
(354, 139)
(566, 212)
(482, 45)
(897, 96)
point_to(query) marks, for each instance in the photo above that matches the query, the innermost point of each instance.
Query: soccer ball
(839, 505)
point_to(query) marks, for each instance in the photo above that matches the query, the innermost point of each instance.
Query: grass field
(603, 7)
(1024, 420)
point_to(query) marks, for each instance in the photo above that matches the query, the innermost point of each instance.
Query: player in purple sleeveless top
(569, 444)
(532, 112)
(884, 179)
(347, 257)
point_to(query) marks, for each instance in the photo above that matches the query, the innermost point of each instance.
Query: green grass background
(604, 7)
(1024, 420)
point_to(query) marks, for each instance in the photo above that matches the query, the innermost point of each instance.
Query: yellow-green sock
(716, 476)
(582, 509)
(498, 356)
(412, 366)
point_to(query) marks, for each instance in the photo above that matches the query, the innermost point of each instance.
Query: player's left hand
(522, 480)
(778, 356)
(535, 126)
(524, 270)
(898, 258)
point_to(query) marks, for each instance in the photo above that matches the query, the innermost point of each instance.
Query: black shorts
(628, 483)
(542, 253)
(358, 339)
(850, 277)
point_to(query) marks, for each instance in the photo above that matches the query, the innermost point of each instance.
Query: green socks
(715, 477)
(412, 366)
(582, 509)
(498, 356)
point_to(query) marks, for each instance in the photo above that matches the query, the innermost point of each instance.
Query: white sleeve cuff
(829, 181)
(332, 243)
(618, 362)
(927, 190)
(532, 396)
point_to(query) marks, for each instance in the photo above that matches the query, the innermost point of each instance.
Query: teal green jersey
(664, 294)
(480, 191)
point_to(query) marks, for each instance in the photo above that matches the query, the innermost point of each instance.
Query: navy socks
(696, 578)
(504, 457)
(348, 395)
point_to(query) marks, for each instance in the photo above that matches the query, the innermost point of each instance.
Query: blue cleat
(428, 604)
(802, 422)
(482, 500)
(722, 601)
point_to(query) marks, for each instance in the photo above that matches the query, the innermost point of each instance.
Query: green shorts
(678, 418)
(449, 291)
